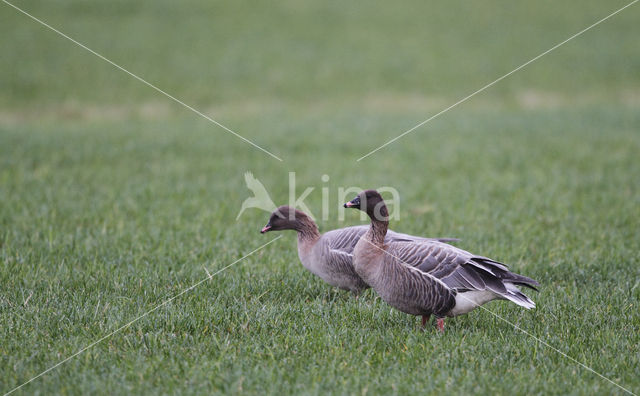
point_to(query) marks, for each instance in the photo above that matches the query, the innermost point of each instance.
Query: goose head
(285, 218)
(370, 202)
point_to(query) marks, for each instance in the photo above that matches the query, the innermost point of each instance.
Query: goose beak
(354, 203)
(265, 228)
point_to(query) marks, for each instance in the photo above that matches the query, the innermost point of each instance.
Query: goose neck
(307, 230)
(379, 216)
(378, 231)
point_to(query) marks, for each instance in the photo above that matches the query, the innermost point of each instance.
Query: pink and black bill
(354, 203)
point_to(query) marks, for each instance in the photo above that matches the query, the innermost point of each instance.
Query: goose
(427, 277)
(329, 255)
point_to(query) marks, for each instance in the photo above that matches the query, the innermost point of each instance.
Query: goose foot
(440, 323)
(425, 318)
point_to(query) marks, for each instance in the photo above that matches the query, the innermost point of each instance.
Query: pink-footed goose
(429, 277)
(328, 255)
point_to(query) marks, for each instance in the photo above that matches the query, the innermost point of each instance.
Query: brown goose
(328, 255)
(429, 277)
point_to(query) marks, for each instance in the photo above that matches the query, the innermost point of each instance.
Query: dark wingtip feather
(526, 285)
(522, 280)
(504, 274)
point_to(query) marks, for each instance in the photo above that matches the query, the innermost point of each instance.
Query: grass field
(114, 198)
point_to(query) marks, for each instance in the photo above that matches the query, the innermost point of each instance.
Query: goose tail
(501, 271)
(514, 295)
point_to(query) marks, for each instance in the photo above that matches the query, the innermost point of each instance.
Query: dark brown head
(370, 202)
(288, 218)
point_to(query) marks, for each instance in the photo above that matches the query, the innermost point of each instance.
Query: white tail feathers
(515, 295)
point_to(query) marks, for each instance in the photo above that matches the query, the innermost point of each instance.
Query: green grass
(113, 199)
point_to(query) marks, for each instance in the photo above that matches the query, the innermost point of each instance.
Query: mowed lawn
(113, 198)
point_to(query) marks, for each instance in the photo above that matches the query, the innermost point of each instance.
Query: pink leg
(425, 318)
(440, 323)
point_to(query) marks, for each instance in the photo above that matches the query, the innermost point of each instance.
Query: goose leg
(440, 323)
(425, 318)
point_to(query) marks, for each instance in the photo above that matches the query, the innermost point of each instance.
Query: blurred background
(110, 189)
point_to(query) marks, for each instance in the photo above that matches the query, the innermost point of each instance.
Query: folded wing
(463, 272)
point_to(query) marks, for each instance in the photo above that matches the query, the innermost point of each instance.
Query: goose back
(331, 256)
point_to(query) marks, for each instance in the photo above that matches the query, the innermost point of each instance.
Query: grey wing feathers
(393, 236)
(345, 239)
(433, 257)
(459, 269)
(341, 261)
